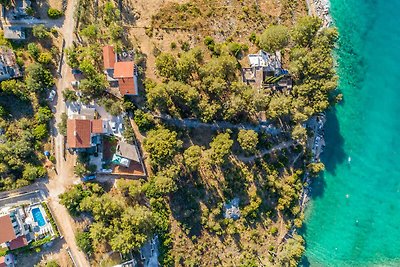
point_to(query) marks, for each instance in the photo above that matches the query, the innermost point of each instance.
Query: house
(8, 65)
(7, 261)
(12, 234)
(266, 71)
(126, 153)
(120, 72)
(14, 33)
(83, 134)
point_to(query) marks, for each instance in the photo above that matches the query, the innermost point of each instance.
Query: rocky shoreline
(321, 8)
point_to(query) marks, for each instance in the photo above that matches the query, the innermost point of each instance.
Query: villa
(83, 134)
(23, 224)
(121, 71)
(266, 72)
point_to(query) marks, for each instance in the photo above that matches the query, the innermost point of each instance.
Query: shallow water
(354, 218)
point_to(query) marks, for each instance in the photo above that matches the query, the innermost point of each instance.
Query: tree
(54, 13)
(224, 67)
(62, 126)
(316, 167)
(305, 30)
(116, 31)
(132, 229)
(220, 148)
(70, 95)
(81, 169)
(166, 65)
(52, 263)
(299, 133)
(32, 172)
(84, 241)
(33, 50)
(192, 157)
(91, 32)
(40, 31)
(72, 198)
(40, 131)
(248, 140)
(45, 58)
(143, 120)
(43, 115)
(93, 88)
(162, 145)
(14, 87)
(274, 38)
(38, 78)
(291, 252)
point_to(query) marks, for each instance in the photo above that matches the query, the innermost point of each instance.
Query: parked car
(52, 95)
(113, 126)
(88, 177)
(76, 71)
(75, 84)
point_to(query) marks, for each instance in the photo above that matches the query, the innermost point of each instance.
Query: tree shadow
(334, 152)
(186, 209)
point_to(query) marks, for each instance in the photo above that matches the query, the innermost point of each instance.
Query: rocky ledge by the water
(321, 8)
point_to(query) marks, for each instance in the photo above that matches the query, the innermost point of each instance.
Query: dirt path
(64, 176)
(266, 151)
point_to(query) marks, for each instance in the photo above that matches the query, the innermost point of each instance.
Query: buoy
(347, 196)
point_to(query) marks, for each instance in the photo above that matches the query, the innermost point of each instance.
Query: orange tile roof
(124, 69)
(97, 126)
(78, 133)
(18, 242)
(7, 231)
(108, 57)
(127, 86)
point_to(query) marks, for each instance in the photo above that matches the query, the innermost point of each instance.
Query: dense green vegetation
(195, 171)
(25, 115)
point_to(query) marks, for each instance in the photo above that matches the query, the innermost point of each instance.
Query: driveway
(64, 176)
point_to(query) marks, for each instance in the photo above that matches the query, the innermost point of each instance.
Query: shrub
(54, 13)
(84, 241)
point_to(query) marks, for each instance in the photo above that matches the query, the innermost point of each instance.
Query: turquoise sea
(354, 217)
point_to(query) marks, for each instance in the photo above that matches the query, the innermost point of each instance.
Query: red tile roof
(127, 86)
(124, 69)
(7, 231)
(97, 126)
(18, 242)
(78, 133)
(108, 57)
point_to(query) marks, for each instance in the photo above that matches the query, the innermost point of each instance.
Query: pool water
(38, 217)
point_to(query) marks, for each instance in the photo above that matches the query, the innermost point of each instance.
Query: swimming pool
(38, 217)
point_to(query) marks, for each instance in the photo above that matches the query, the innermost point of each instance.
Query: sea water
(354, 216)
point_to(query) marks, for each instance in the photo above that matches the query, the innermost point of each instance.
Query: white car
(75, 84)
(113, 126)
(52, 95)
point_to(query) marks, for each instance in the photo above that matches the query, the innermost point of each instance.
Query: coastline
(319, 8)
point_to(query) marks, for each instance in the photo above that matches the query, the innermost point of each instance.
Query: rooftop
(7, 231)
(124, 69)
(14, 33)
(127, 151)
(78, 133)
(127, 86)
(18, 242)
(109, 57)
(98, 126)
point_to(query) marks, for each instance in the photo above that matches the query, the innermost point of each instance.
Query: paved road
(64, 176)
